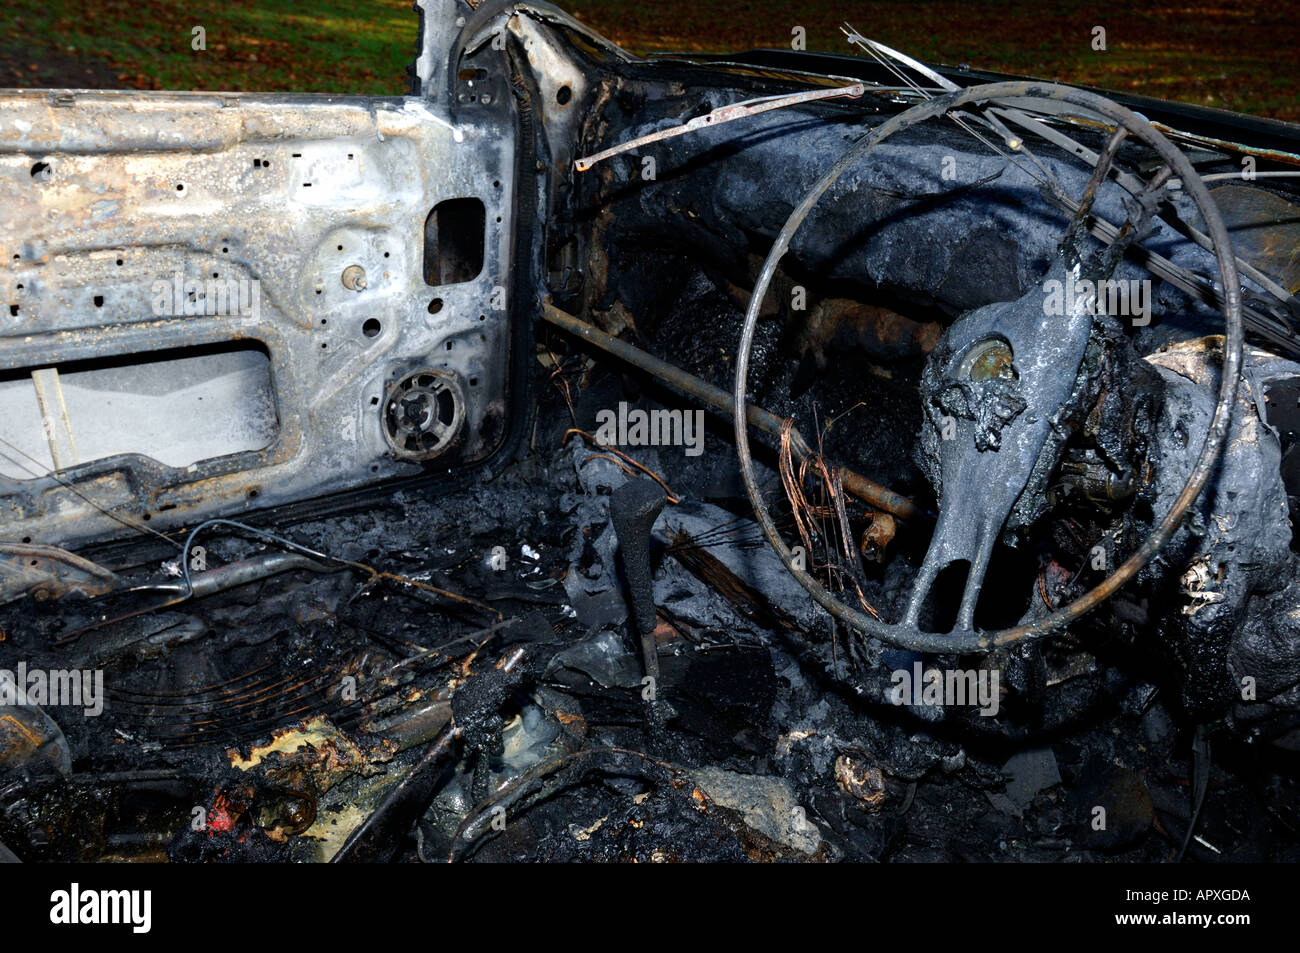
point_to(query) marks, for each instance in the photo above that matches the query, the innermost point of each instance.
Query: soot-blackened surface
(767, 740)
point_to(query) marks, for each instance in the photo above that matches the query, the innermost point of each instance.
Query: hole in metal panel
(454, 241)
(178, 407)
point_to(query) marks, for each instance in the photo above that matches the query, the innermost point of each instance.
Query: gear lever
(633, 509)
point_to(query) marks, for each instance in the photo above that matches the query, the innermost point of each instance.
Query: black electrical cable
(260, 534)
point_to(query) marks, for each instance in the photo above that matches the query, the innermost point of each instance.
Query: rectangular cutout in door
(454, 239)
(177, 407)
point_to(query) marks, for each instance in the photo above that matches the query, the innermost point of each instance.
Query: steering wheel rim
(974, 641)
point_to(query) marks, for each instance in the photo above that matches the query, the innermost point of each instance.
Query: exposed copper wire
(622, 456)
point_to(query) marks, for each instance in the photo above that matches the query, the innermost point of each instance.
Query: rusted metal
(47, 572)
(1266, 230)
(718, 400)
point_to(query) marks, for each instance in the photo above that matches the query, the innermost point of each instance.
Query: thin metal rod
(721, 401)
(722, 115)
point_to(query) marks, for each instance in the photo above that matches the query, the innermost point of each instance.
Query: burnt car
(767, 456)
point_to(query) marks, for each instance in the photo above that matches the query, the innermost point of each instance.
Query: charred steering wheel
(1001, 370)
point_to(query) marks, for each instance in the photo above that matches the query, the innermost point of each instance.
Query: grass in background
(341, 46)
(1238, 56)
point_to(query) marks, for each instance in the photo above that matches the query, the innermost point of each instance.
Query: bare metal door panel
(274, 297)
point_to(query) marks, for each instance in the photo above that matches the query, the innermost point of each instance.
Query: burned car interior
(778, 456)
